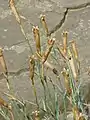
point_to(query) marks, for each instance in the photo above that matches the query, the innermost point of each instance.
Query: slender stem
(35, 93)
(11, 115)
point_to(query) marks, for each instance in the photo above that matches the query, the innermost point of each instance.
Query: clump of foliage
(48, 108)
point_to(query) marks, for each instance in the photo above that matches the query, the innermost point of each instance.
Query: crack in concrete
(60, 23)
(24, 70)
(84, 5)
(18, 43)
(16, 73)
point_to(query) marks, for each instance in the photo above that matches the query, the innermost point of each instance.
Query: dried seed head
(51, 41)
(66, 78)
(31, 68)
(42, 17)
(43, 21)
(37, 38)
(65, 33)
(74, 49)
(65, 41)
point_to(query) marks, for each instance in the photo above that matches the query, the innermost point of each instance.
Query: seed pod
(48, 50)
(71, 62)
(64, 42)
(75, 113)
(2, 62)
(31, 68)
(75, 52)
(37, 38)
(74, 49)
(43, 21)
(66, 78)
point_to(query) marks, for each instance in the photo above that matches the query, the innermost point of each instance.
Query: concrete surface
(70, 15)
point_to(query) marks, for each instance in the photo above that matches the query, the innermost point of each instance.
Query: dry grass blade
(64, 42)
(48, 50)
(60, 49)
(74, 49)
(8, 106)
(3, 63)
(4, 67)
(73, 68)
(14, 10)
(43, 21)
(11, 97)
(37, 38)
(17, 16)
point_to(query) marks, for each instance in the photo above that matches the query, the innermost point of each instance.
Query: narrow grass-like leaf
(56, 107)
